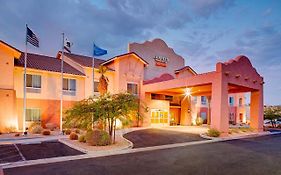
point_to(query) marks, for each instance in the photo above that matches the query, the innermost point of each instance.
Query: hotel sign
(161, 61)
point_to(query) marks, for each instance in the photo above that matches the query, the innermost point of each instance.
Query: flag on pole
(67, 45)
(31, 38)
(98, 51)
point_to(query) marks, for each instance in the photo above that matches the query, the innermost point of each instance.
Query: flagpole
(93, 67)
(61, 98)
(24, 84)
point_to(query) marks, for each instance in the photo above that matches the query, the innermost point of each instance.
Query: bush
(17, 134)
(67, 131)
(10, 129)
(199, 121)
(73, 136)
(36, 129)
(213, 133)
(46, 132)
(77, 131)
(97, 138)
(51, 126)
(82, 138)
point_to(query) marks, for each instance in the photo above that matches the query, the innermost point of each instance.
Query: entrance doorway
(159, 117)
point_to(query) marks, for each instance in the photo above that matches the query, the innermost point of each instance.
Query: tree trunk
(114, 130)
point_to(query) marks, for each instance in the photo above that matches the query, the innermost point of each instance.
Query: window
(169, 97)
(203, 100)
(240, 101)
(96, 85)
(231, 101)
(132, 88)
(33, 115)
(194, 99)
(33, 81)
(69, 85)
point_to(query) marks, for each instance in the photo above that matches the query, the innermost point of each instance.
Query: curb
(238, 137)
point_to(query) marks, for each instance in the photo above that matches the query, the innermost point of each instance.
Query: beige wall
(50, 85)
(6, 69)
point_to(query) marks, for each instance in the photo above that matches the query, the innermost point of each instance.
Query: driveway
(155, 137)
(254, 156)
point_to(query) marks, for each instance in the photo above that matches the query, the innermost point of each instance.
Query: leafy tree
(272, 113)
(106, 108)
(103, 80)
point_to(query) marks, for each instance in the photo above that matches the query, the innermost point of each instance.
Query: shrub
(10, 129)
(82, 138)
(34, 124)
(77, 131)
(213, 133)
(73, 136)
(46, 132)
(67, 131)
(51, 126)
(199, 121)
(97, 138)
(17, 134)
(36, 129)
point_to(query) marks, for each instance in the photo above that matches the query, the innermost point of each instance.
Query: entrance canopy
(235, 76)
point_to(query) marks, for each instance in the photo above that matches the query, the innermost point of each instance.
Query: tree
(272, 113)
(103, 80)
(106, 108)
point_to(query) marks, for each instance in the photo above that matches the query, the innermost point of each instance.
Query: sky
(202, 31)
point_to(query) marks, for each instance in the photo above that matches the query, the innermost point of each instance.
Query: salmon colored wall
(184, 74)
(149, 49)
(128, 69)
(176, 112)
(50, 109)
(8, 117)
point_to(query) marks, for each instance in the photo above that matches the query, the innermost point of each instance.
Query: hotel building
(171, 93)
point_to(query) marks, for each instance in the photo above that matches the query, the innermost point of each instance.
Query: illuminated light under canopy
(187, 92)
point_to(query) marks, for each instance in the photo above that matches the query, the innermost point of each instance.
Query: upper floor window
(240, 101)
(69, 85)
(33, 81)
(132, 88)
(231, 101)
(33, 115)
(203, 100)
(96, 85)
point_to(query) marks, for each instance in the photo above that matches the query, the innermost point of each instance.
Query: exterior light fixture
(187, 92)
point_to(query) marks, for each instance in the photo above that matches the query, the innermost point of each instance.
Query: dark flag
(31, 38)
(67, 45)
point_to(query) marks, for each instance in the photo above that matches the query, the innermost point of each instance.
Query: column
(219, 105)
(185, 118)
(256, 110)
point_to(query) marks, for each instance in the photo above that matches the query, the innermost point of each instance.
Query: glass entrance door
(159, 117)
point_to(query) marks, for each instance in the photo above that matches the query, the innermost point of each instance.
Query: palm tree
(103, 84)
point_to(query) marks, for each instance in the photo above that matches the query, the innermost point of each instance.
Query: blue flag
(99, 51)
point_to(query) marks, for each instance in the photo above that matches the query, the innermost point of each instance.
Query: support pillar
(209, 110)
(185, 118)
(256, 110)
(220, 111)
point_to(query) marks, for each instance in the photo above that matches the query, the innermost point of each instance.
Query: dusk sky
(202, 31)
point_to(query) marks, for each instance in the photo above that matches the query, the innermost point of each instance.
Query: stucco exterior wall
(149, 49)
(50, 85)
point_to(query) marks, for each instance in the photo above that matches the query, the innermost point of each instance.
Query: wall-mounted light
(188, 110)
